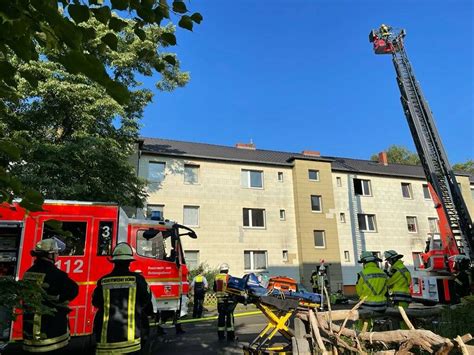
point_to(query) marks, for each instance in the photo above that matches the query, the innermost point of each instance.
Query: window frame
(410, 190)
(347, 256)
(249, 179)
(252, 260)
(415, 224)
(318, 177)
(284, 255)
(250, 226)
(197, 259)
(280, 176)
(342, 217)
(423, 186)
(366, 221)
(150, 163)
(282, 215)
(198, 215)
(84, 225)
(369, 187)
(324, 239)
(320, 198)
(196, 166)
(338, 181)
(437, 225)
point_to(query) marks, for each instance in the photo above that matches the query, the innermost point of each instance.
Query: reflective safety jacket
(199, 284)
(220, 287)
(43, 333)
(399, 282)
(121, 298)
(372, 283)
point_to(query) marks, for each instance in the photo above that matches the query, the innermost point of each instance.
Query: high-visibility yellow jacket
(220, 286)
(122, 298)
(399, 282)
(372, 283)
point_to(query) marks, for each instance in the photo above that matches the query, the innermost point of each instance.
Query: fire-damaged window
(72, 234)
(362, 187)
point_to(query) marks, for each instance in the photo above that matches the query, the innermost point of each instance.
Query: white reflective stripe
(164, 283)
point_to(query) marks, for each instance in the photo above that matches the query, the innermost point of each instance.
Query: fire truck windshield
(155, 247)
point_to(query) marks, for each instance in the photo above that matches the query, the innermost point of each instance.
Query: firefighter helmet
(367, 257)
(392, 255)
(46, 246)
(224, 267)
(122, 252)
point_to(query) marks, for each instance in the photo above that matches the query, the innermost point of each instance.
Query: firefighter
(48, 333)
(371, 284)
(225, 305)
(385, 30)
(314, 281)
(199, 287)
(121, 298)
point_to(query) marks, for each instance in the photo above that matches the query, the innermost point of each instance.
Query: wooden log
(315, 328)
(405, 318)
(462, 345)
(390, 312)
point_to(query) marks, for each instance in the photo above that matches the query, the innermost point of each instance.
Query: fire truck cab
(90, 231)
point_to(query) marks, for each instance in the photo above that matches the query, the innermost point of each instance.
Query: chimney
(311, 153)
(250, 146)
(383, 158)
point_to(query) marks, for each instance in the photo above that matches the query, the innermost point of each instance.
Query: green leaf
(6, 69)
(120, 4)
(79, 13)
(32, 200)
(140, 33)
(88, 33)
(169, 38)
(170, 59)
(164, 9)
(146, 14)
(96, 2)
(117, 24)
(179, 7)
(111, 40)
(10, 149)
(196, 17)
(186, 22)
(102, 14)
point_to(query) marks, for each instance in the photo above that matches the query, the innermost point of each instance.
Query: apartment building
(282, 213)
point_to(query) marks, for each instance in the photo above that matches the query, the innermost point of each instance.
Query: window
(367, 222)
(411, 224)
(319, 239)
(406, 190)
(362, 187)
(192, 259)
(155, 211)
(433, 225)
(191, 216)
(252, 179)
(280, 176)
(71, 234)
(342, 217)
(255, 260)
(284, 255)
(282, 215)
(191, 174)
(156, 171)
(104, 240)
(254, 217)
(338, 181)
(313, 175)
(316, 203)
(347, 255)
(426, 192)
(154, 247)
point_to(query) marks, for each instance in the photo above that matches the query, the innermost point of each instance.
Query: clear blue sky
(300, 74)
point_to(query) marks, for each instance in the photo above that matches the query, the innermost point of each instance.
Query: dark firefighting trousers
(225, 320)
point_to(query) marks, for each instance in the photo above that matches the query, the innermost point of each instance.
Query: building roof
(205, 151)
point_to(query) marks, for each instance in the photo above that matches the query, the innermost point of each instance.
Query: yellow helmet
(122, 252)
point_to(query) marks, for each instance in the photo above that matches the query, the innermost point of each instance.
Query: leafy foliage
(397, 154)
(208, 272)
(66, 135)
(467, 167)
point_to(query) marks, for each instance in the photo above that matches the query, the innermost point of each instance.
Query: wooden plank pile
(323, 333)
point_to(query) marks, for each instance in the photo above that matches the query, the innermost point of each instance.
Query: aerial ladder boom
(457, 237)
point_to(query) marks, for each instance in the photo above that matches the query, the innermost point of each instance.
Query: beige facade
(220, 200)
(392, 211)
(310, 221)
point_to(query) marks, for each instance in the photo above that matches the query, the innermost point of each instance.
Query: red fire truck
(89, 232)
